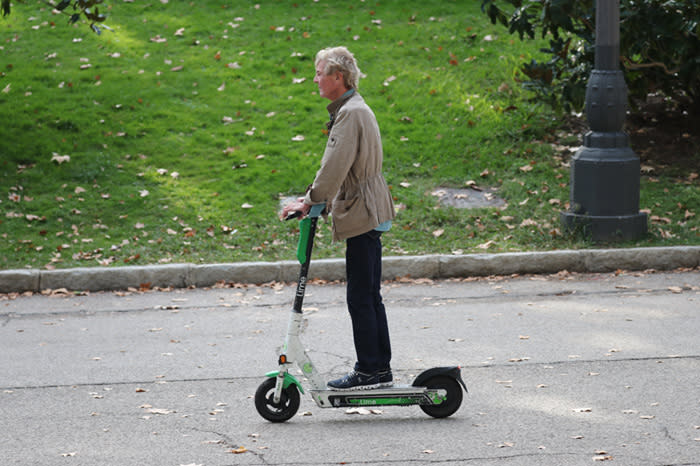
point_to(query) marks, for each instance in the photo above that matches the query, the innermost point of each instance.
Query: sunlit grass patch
(185, 125)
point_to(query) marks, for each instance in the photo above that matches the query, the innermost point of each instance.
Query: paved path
(565, 369)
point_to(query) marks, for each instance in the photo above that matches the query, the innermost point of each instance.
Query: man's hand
(297, 206)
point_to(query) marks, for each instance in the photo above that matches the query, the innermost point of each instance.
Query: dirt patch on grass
(468, 198)
(664, 135)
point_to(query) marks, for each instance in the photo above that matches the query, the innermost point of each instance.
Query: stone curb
(429, 266)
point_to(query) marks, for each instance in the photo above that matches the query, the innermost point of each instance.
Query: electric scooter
(437, 391)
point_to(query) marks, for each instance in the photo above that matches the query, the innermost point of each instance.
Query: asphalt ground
(563, 369)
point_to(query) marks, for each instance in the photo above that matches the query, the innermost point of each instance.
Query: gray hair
(340, 59)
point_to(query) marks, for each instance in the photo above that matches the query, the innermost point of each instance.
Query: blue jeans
(363, 265)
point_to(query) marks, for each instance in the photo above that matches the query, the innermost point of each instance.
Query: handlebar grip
(292, 215)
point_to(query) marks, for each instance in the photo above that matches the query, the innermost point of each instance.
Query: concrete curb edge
(428, 266)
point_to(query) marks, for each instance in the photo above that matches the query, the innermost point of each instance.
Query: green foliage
(660, 44)
(660, 47)
(88, 8)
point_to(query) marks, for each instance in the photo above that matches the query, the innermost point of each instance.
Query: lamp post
(604, 193)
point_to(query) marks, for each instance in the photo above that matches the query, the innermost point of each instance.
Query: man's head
(336, 72)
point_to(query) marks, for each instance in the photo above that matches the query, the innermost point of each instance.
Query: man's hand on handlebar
(295, 209)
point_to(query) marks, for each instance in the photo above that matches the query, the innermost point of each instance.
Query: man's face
(330, 86)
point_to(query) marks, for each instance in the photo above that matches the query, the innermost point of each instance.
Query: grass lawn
(173, 137)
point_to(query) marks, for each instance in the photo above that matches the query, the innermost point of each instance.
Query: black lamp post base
(606, 228)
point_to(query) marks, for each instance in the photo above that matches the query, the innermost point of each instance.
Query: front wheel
(276, 412)
(449, 391)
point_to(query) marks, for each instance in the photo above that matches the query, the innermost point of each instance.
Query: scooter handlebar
(316, 211)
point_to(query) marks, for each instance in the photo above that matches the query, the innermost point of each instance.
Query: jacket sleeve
(338, 158)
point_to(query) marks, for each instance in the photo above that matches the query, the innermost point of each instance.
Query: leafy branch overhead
(659, 47)
(88, 8)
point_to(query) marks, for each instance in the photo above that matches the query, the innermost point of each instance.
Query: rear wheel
(276, 412)
(451, 393)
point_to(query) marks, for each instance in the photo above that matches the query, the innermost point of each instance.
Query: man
(351, 184)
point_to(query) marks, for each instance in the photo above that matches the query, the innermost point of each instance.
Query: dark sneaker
(385, 378)
(355, 380)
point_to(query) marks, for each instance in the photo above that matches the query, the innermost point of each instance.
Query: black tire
(276, 412)
(454, 396)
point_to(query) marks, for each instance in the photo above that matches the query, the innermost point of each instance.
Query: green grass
(220, 106)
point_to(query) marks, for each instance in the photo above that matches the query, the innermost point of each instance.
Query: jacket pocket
(350, 214)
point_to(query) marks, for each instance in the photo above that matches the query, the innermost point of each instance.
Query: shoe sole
(357, 387)
(362, 387)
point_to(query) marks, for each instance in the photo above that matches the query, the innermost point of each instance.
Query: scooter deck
(397, 395)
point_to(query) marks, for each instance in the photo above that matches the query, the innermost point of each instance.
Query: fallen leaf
(389, 80)
(239, 450)
(60, 158)
(159, 411)
(438, 233)
(361, 411)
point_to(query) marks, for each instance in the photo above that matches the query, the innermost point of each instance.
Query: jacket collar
(334, 106)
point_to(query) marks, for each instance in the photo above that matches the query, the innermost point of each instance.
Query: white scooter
(438, 391)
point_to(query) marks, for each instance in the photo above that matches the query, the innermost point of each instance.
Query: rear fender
(451, 371)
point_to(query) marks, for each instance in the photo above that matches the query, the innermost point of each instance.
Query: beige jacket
(350, 179)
